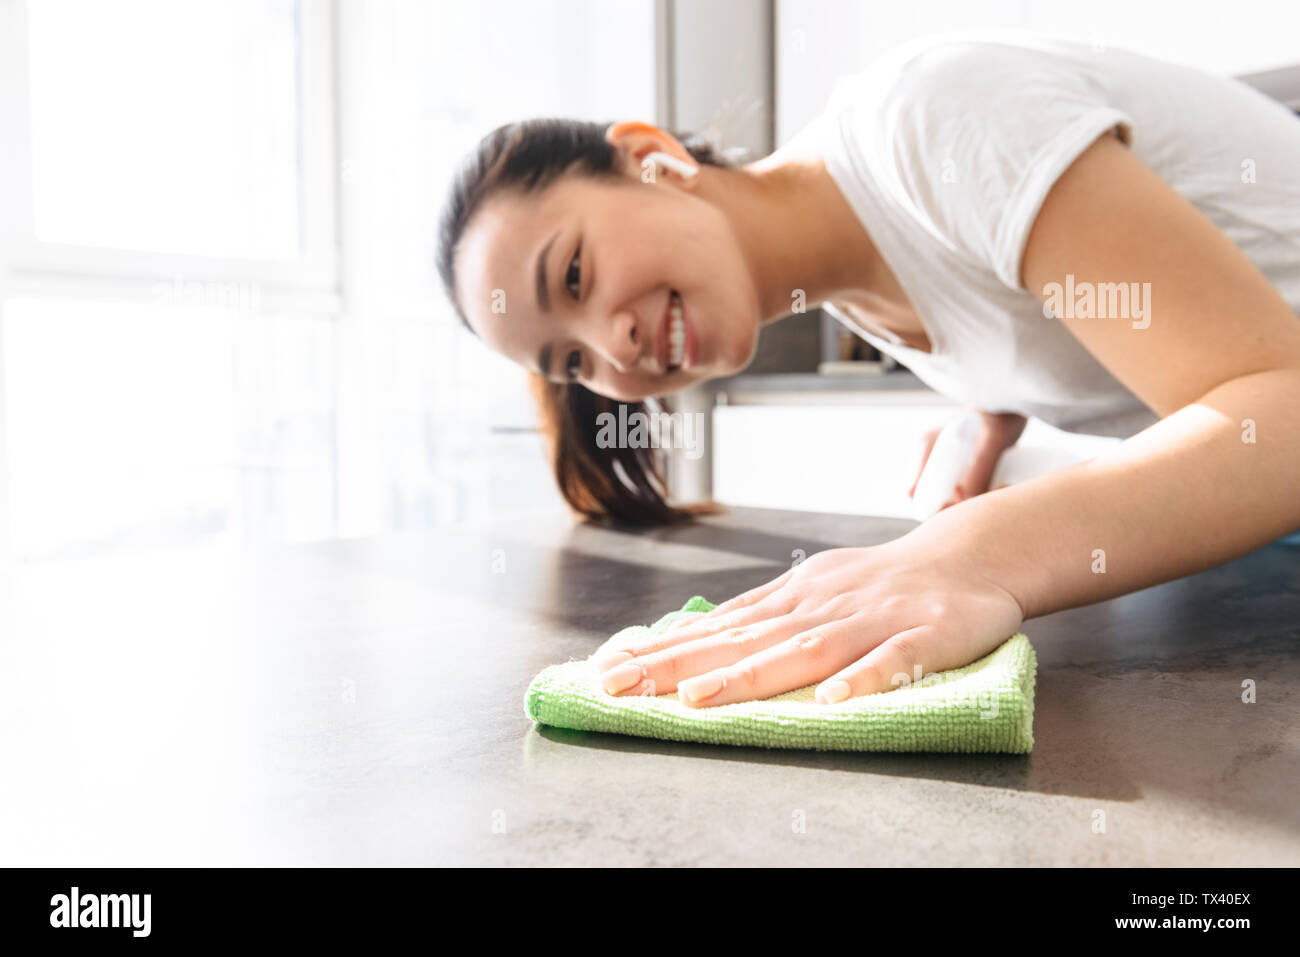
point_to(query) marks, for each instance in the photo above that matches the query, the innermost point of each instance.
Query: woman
(1033, 226)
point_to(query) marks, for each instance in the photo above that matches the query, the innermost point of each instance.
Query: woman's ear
(636, 141)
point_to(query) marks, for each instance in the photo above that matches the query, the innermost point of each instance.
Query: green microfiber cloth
(986, 706)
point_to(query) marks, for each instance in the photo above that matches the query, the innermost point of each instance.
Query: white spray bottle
(953, 452)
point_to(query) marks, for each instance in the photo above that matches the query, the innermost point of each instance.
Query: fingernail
(697, 689)
(622, 678)
(613, 659)
(833, 692)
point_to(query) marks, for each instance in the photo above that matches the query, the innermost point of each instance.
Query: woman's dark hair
(618, 484)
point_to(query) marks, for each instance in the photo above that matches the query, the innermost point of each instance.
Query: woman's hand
(849, 618)
(1001, 430)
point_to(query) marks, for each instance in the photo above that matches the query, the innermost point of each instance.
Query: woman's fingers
(609, 656)
(1001, 431)
(892, 663)
(744, 609)
(662, 671)
(793, 663)
(746, 601)
(686, 619)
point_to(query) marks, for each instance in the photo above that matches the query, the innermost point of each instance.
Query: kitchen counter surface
(361, 702)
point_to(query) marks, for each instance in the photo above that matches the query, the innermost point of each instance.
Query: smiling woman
(511, 170)
(946, 194)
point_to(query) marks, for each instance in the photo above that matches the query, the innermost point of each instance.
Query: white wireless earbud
(680, 167)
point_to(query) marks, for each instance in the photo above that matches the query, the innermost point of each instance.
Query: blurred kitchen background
(220, 318)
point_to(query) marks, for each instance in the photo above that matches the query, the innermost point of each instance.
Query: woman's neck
(798, 233)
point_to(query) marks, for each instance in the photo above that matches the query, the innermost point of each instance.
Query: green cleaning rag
(986, 706)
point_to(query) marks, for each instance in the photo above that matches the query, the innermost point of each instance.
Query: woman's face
(574, 281)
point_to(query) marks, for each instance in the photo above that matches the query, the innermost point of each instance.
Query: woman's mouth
(679, 337)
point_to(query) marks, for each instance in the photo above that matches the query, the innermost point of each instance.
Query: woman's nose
(622, 341)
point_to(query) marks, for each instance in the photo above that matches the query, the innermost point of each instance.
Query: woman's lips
(665, 349)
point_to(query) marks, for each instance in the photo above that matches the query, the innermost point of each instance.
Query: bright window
(176, 422)
(221, 321)
(164, 126)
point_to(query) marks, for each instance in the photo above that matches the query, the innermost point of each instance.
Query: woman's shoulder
(952, 64)
(961, 134)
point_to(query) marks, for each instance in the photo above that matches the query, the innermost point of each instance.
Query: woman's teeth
(676, 333)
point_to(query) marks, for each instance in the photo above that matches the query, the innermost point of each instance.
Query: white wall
(859, 457)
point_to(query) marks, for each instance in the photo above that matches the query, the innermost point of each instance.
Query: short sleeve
(971, 136)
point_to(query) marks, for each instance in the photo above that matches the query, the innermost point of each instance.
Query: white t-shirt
(946, 148)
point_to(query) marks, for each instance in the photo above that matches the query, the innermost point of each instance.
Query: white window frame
(39, 267)
(29, 267)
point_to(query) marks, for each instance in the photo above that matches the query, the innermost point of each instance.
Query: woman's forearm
(1209, 483)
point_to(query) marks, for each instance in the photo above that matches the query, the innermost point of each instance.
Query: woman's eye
(573, 278)
(572, 364)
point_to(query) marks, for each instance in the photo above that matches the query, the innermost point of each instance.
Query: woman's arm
(1217, 353)
(1215, 350)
